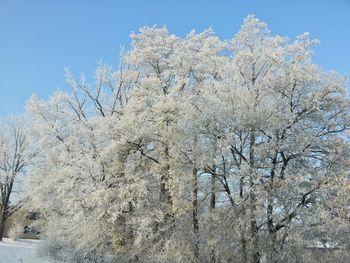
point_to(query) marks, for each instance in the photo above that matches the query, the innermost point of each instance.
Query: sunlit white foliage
(198, 150)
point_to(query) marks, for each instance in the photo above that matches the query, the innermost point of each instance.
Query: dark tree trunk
(195, 214)
(253, 203)
(165, 198)
(211, 210)
(212, 193)
(272, 250)
(6, 190)
(2, 224)
(243, 227)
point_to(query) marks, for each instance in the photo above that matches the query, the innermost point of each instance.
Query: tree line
(196, 149)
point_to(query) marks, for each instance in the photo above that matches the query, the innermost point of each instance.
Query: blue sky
(38, 39)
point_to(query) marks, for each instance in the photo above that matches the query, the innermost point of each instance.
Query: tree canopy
(198, 149)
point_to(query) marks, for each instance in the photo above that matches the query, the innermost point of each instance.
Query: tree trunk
(195, 214)
(5, 192)
(254, 229)
(2, 224)
(165, 197)
(130, 234)
(272, 250)
(212, 193)
(243, 227)
(211, 210)
(253, 224)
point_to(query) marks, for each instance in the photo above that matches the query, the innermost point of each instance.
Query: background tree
(16, 153)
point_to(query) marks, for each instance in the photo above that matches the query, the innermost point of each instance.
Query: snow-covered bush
(65, 252)
(16, 231)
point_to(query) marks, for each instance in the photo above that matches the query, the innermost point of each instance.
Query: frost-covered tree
(16, 153)
(282, 131)
(198, 150)
(76, 133)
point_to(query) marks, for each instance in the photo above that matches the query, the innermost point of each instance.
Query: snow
(19, 251)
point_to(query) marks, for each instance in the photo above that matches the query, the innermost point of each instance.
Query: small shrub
(65, 252)
(16, 231)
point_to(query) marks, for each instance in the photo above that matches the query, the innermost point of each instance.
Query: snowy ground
(20, 251)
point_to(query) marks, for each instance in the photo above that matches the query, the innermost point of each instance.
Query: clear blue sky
(39, 38)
